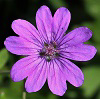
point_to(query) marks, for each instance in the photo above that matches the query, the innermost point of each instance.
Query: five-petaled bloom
(48, 51)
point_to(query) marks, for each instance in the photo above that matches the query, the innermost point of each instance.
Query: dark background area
(83, 13)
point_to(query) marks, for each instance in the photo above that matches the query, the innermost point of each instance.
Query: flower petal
(61, 22)
(73, 74)
(20, 46)
(78, 35)
(44, 22)
(81, 52)
(56, 78)
(26, 30)
(37, 78)
(23, 67)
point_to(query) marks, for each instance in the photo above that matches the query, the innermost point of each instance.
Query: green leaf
(17, 87)
(13, 91)
(2, 95)
(3, 57)
(98, 48)
(35, 95)
(71, 94)
(93, 7)
(96, 30)
(52, 96)
(57, 3)
(98, 96)
(91, 80)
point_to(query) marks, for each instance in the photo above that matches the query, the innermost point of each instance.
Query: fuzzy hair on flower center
(49, 51)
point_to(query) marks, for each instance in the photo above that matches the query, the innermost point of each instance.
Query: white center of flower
(49, 51)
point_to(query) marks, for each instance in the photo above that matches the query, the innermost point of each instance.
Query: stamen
(48, 58)
(49, 51)
(45, 44)
(42, 53)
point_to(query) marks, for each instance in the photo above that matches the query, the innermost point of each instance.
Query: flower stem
(4, 71)
(24, 95)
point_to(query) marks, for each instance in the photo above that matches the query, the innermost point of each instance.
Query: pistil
(49, 51)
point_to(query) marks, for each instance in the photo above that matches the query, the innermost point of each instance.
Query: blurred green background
(84, 13)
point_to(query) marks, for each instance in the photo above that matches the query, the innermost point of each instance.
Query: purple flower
(47, 51)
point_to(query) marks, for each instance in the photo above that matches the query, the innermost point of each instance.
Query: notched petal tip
(93, 52)
(5, 42)
(15, 22)
(44, 22)
(44, 7)
(15, 25)
(85, 32)
(79, 83)
(67, 13)
(14, 77)
(7, 45)
(28, 90)
(61, 22)
(65, 9)
(60, 94)
(88, 31)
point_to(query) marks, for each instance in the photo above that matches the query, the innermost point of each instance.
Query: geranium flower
(48, 51)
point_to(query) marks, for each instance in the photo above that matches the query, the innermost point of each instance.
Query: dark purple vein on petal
(59, 66)
(28, 63)
(28, 31)
(69, 69)
(35, 67)
(58, 29)
(32, 42)
(44, 29)
(39, 73)
(64, 42)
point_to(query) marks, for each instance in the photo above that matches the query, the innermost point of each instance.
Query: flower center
(49, 51)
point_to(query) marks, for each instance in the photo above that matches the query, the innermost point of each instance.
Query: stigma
(49, 51)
